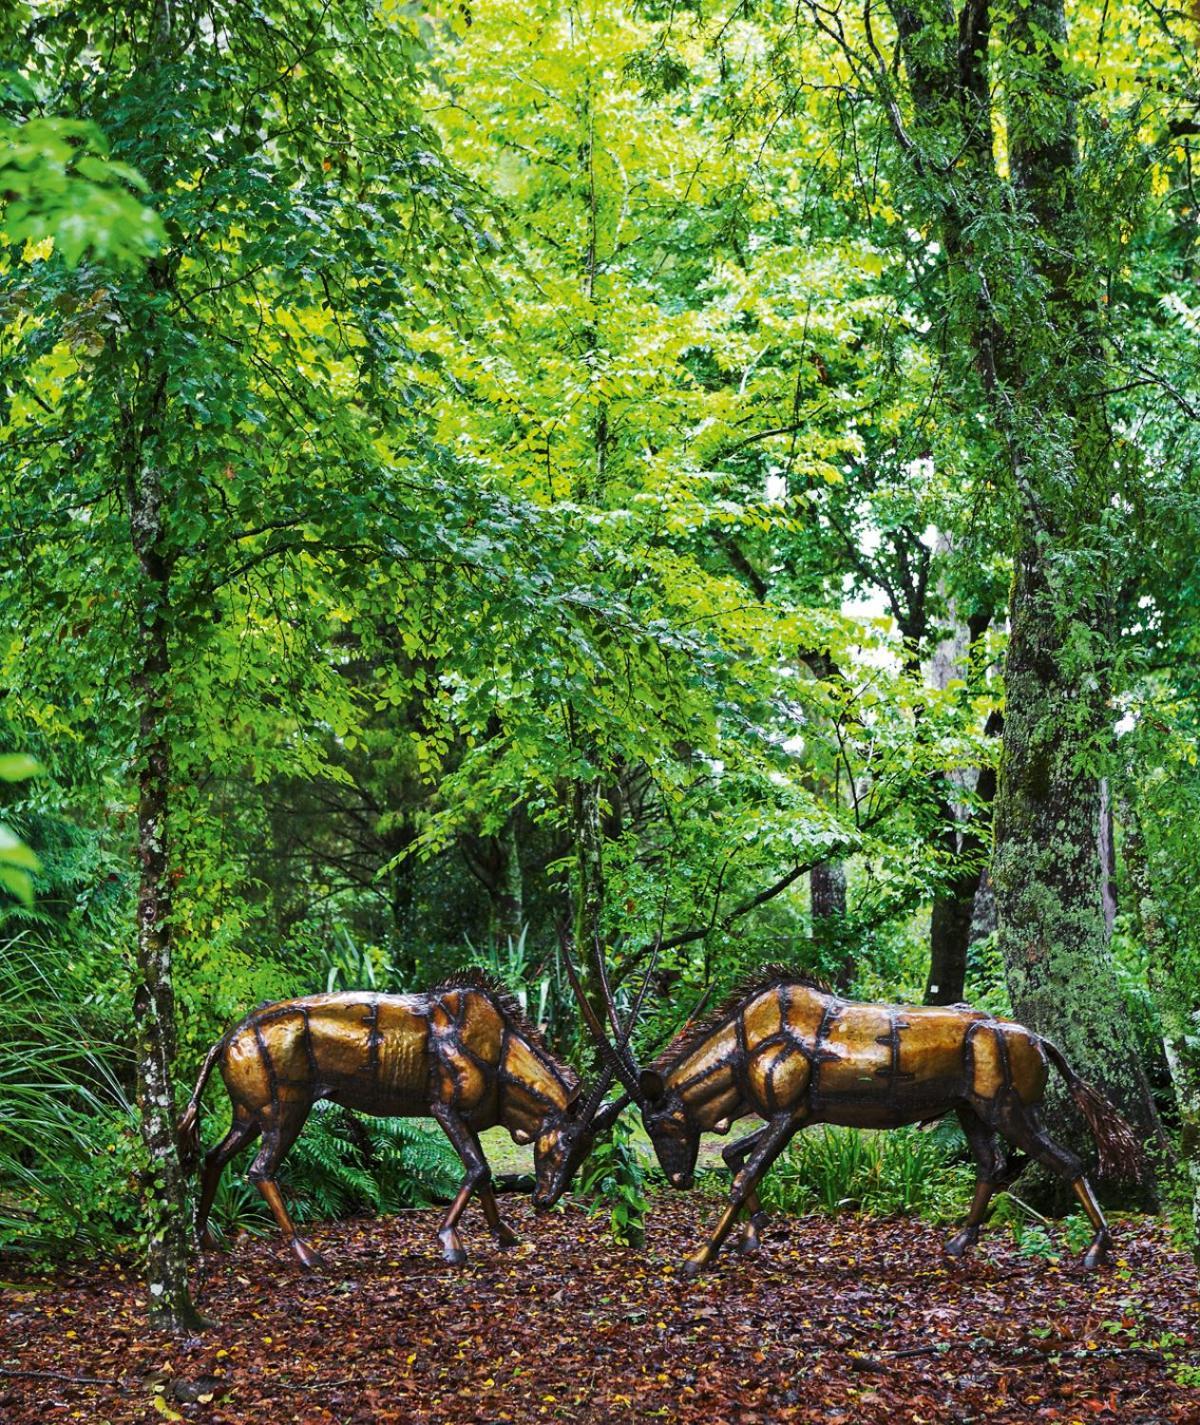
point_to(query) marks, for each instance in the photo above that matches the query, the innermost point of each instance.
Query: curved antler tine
(602, 976)
(591, 1019)
(616, 1062)
(596, 1097)
(640, 999)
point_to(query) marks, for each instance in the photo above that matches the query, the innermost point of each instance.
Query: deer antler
(617, 1055)
(616, 1062)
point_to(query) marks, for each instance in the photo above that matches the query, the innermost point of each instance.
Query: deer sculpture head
(564, 1139)
(673, 1132)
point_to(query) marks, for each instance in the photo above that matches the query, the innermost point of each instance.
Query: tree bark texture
(827, 889)
(965, 834)
(1046, 871)
(164, 1191)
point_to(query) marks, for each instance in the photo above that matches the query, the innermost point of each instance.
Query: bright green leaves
(17, 861)
(64, 193)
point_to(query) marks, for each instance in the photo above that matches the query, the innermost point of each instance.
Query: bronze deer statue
(463, 1054)
(784, 1047)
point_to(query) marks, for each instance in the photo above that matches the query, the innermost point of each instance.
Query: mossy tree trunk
(827, 890)
(1027, 312)
(1047, 867)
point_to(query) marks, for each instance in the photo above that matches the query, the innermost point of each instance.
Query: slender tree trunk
(508, 906)
(964, 833)
(827, 887)
(164, 1190)
(951, 924)
(1179, 1019)
(589, 860)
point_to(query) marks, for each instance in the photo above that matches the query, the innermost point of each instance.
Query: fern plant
(342, 1165)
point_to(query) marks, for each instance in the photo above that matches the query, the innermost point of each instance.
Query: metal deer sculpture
(785, 1048)
(463, 1054)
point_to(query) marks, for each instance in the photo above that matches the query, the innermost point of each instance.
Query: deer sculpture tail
(1119, 1154)
(188, 1128)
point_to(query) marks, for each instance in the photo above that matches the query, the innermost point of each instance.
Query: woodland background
(722, 473)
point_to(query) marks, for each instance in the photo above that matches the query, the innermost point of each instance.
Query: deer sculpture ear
(651, 1085)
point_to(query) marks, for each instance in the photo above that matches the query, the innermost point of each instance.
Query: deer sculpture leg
(1024, 1126)
(478, 1179)
(989, 1170)
(756, 1219)
(500, 1230)
(279, 1132)
(243, 1131)
(771, 1142)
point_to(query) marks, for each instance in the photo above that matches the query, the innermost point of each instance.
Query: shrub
(901, 1170)
(614, 1180)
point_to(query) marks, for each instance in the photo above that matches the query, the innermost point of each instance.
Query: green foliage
(17, 861)
(62, 192)
(1035, 1236)
(69, 1156)
(340, 1167)
(546, 400)
(613, 1178)
(904, 1170)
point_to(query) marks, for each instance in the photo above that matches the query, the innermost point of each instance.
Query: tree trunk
(963, 835)
(1053, 931)
(1037, 365)
(508, 904)
(164, 1191)
(952, 921)
(1046, 870)
(827, 887)
(1179, 1019)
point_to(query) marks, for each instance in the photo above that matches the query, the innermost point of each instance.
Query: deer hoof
(692, 1267)
(1097, 1252)
(208, 1242)
(310, 1260)
(749, 1240)
(962, 1242)
(452, 1249)
(506, 1237)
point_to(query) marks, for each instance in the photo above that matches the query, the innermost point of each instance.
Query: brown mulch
(842, 1321)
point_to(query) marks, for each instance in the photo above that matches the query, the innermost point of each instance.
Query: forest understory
(838, 1320)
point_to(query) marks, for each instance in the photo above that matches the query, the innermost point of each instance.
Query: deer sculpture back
(462, 1053)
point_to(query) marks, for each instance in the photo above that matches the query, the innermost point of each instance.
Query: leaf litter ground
(842, 1321)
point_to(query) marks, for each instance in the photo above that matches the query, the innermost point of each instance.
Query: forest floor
(842, 1321)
